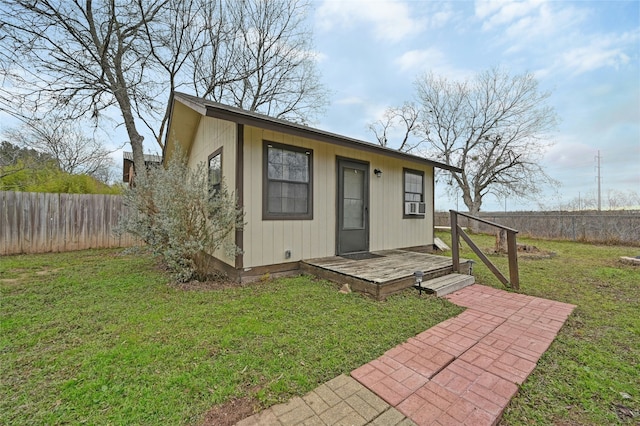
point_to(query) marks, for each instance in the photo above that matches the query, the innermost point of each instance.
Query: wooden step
(446, 284)
(440, 245)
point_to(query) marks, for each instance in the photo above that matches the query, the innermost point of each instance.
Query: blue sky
(586, 53)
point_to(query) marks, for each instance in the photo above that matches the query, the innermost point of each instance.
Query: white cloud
(583, 59)
(416, 62)
(420, 60)
(601, 51)
(594, 52)
(568, 153)
(556, 34)
(318, 56)
(390, 20)
(484, 8)
(498, 12)
(440, 18)
(546, 22)
(531, 23)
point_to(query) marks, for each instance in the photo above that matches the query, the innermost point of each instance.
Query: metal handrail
(512, 249)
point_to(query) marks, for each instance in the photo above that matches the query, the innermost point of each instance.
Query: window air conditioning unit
(414, 208)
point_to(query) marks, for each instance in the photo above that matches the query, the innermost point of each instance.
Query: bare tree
(89, 56)
(261, 59)
(574, 204)
(620, 200)
(66, 143)
(81, 57)
(407, 118)
(495, 127)
(588, 202)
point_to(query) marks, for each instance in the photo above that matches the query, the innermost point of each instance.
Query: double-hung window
(413, 190)
(288, 182)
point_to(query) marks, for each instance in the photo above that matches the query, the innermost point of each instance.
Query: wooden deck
(386, 273)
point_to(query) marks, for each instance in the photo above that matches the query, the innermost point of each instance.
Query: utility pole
(579, 202)
(599, 189)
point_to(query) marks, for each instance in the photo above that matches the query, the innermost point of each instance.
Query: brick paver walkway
(464, 370)
(341, 401)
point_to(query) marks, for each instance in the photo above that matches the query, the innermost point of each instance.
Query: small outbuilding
(306, 193)
(128, 169)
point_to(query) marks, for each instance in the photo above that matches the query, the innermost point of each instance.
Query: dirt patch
(624, 413)
(532, 252)
(25, 274)
(220, 282)
(231, 412)
(525, 251)
(18, 274)
(48, 271)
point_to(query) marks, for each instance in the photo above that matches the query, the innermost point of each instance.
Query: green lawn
(595, 359)
(99, 337)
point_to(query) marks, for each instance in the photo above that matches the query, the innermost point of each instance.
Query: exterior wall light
(418, 276)
(377, 172)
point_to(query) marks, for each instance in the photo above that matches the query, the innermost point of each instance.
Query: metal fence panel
(590, 226)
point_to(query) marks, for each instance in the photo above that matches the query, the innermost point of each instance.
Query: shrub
(47, 177)
(174, 212)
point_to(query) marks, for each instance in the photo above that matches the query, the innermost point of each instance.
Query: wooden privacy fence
(33, 222)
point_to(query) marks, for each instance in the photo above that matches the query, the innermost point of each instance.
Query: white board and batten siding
(211, 135)
(265, 241)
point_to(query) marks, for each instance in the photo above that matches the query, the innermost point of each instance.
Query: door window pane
(353, 217)
(353, 205)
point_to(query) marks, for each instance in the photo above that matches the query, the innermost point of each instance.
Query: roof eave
(240, 116)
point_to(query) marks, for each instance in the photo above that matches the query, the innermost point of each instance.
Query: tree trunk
(501, 241)
(135, 138)
(474, 209)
